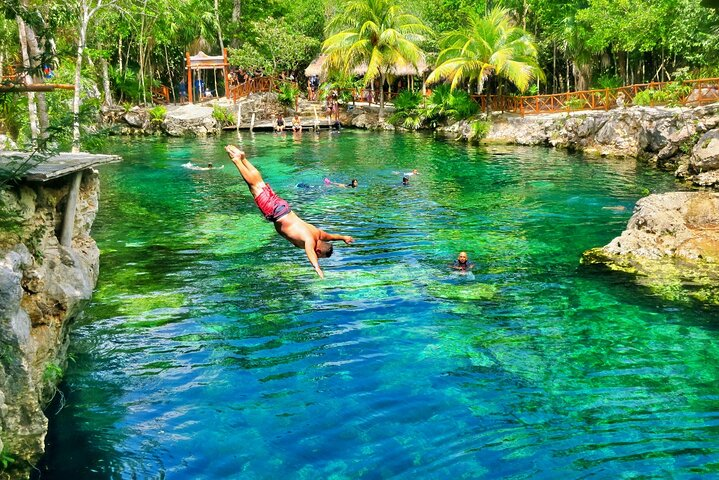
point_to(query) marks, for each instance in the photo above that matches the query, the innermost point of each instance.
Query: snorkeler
(462, 263)
(301, 234)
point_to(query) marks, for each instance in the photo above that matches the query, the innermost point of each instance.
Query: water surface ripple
(211, 350)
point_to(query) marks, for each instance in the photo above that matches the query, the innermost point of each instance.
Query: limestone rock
(193, 120)
(672, 238)
(137, 118)
(6, 143)
(43, 286)
(705, 155)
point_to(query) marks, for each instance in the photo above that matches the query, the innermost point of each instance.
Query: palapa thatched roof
(317, 68)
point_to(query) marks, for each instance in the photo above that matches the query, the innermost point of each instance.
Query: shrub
(288, 94)
(575, 103)
(157, 114)
(672, 94)
(223, 116)
(644, 97)
(407, 101)
(479, 129)
(5, 460)
(609, 81)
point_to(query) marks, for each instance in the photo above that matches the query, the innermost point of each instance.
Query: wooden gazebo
(202, 61)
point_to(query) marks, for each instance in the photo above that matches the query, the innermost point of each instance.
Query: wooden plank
(57, 165)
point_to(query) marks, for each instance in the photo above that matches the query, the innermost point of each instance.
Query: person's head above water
(353, 183)
(324, 249)
(405, 180)
(209, 165)
(462, 257)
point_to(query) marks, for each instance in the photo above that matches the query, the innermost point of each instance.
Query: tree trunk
(35, 57)
(219, 26)
(236, 15)
(169, 74)
(78, 77)
(381, 94)
(106, 82)
(31, 106)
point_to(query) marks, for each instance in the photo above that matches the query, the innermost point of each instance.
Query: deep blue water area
(212, 350)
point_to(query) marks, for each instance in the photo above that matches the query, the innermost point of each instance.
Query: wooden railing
(700, 91)
(252, 85)
(161, 94)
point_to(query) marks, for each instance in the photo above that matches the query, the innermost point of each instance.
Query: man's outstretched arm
(328, 237)
(312, 257)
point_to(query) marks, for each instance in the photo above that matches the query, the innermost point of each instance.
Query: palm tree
(486, 46)
(375, 33)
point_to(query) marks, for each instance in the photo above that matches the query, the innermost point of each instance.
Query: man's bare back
(312, 240)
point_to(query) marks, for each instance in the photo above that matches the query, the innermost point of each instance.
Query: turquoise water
(211, 349)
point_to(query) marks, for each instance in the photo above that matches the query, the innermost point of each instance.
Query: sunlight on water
(211, 349)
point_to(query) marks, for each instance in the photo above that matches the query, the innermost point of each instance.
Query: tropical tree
(487, 45)
(375, 33)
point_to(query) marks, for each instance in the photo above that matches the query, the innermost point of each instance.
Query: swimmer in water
(462, 263)
(405, 181)
(209, 166)
(352, 184)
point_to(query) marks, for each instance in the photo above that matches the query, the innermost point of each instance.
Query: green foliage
(445, 103)
(275, 46)
(375, 33)
(222, 115)
(408, 113)
(644, 97)
(687, 145)
(249, 58)
(606, 80)
(479, 129)
(127, 85)
(485, 46)
(407, 100)
(6, 459)
(288, 94)
(52, 373)
(157, 114)
(14, 116)
(575, 103)
(671, 94)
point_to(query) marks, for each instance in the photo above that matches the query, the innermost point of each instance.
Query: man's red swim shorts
(271, 206)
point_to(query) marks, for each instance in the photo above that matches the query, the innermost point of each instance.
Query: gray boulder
(671, 245)
(137, 118)
(705, 155)
(191, 120)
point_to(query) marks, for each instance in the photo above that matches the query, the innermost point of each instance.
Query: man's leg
(248, 171)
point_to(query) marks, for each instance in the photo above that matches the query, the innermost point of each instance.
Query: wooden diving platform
(44, 168)
(55, 166)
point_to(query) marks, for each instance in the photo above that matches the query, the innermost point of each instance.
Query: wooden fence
(693, 92)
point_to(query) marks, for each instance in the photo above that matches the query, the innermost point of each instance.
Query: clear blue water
(211, 350)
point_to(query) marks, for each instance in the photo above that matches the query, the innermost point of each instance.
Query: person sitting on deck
(299, 233)
(296, 124)
(279, 123)
(462, 263)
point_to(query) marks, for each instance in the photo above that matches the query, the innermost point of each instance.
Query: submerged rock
(671, 244)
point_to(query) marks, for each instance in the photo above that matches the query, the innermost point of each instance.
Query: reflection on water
(211, 350)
